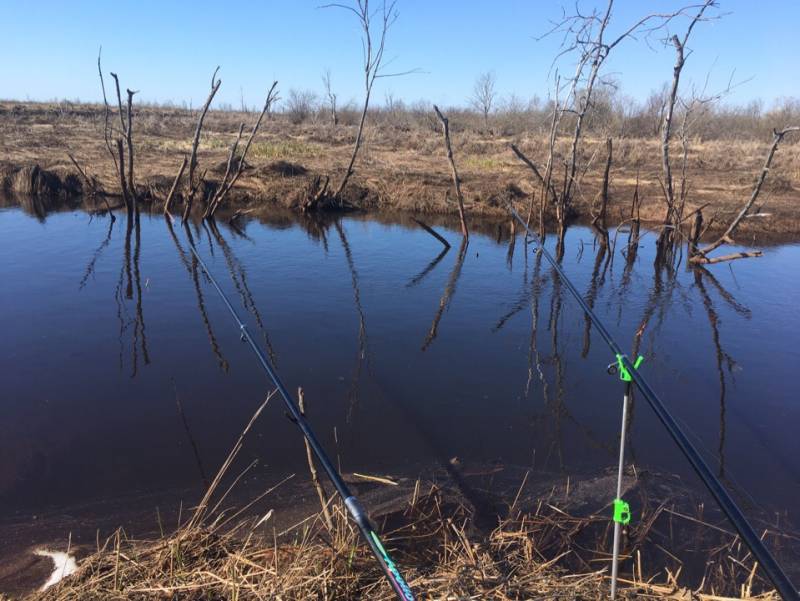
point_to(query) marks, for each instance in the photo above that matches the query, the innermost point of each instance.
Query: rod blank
(354, 508)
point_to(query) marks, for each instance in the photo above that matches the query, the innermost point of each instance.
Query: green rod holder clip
(624, 374)
(622, 512)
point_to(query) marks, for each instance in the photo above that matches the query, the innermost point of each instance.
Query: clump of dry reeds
(435, 542)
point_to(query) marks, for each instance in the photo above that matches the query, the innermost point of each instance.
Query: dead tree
(127, 183)
(483, 95)
(230, 176)
(700, 255)
(107, 111)
(599, 220)
(586, 37)
(326, 81)
(193, 183)
(633, 236)
(454, 171)
(669, 232)
(374, 45)
(126, 129)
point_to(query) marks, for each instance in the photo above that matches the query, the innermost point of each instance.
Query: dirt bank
(399, 169)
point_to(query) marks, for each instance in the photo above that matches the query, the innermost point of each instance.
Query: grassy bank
(402, 166)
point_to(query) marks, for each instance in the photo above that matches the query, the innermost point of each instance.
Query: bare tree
(126, 128)
(326, 81)
(193, 182)
(300, 105)
(373, 42)
(126, 182)
(484, 94)
(586, 37)
(655, 107)
(669, 233)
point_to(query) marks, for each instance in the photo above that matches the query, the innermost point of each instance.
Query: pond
(124, 375)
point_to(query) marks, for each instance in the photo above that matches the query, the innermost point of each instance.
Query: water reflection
(447, 294)
(428, 268)
(129, 287)
(96, 255)
(362, 355)
(515, 369)
(189, 261)
(238, 276)
(723, 360)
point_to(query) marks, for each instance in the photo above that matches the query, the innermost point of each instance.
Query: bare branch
(192, 185)
(456, 179)
(726, 237)
(227, 184)
(175, 183)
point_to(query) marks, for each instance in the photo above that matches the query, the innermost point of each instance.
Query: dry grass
(538, 551)
(402, 168)
(436, 546)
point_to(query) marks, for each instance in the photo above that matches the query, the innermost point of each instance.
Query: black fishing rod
(354, 508)
(762, 555)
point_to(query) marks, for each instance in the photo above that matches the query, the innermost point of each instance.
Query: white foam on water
(64, 565)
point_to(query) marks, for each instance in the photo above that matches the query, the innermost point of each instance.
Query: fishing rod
(760, 552)
(354, 508)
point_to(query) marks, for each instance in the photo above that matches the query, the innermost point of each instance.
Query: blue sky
(167, 50)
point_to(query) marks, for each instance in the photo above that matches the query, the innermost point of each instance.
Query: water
(123, 374)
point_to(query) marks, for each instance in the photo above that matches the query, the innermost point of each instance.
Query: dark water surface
(124, 374)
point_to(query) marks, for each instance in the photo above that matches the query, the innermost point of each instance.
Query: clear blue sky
(167, 49)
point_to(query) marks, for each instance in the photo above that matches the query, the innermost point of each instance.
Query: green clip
(624, 374)
(622, 512)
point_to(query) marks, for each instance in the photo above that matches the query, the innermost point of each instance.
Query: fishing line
(760, 552)
(401, 589)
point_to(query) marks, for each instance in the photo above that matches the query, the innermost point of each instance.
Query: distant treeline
(613, 114)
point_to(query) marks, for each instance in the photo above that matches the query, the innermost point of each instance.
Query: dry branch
(454, 171)
(599, 220)
(701, 257)
(323, 496)
(672, 217)
(535, 170)
(431, 231)
(175, 183)
(229, 180)
(192, 185)
(373, 49)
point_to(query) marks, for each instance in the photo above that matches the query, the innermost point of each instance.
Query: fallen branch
(703, 260)
(726, 238)
(431, 231)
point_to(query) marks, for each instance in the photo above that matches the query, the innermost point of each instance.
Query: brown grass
(400, 168)
(435, 544)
